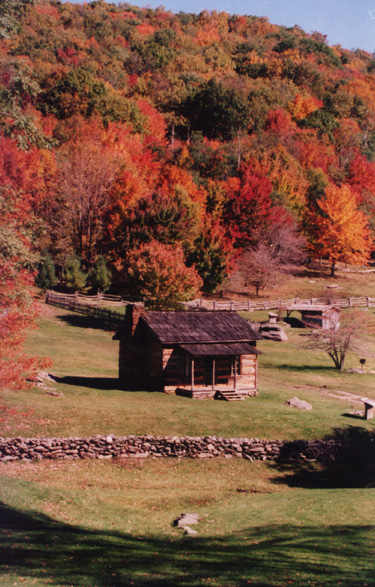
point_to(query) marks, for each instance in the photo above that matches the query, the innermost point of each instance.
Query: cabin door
(209, 372)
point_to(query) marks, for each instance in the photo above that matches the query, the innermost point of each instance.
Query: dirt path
(343, 395)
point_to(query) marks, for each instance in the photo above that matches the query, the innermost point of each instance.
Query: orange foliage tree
(341, 229)
(158, 274)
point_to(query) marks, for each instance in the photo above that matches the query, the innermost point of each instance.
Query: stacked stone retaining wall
(112, 447)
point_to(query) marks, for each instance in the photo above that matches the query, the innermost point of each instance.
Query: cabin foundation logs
(123, 447)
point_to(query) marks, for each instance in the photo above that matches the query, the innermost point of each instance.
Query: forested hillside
(149, 150)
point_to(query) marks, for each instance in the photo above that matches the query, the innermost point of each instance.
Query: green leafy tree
(212, 256)
(217, 111)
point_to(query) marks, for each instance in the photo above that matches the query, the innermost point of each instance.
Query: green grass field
(104, 524)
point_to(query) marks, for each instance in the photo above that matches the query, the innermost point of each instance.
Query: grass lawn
(104, 524)
(85, 360)
(108, 524)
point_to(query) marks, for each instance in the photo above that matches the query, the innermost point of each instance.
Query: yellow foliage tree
(341, 229)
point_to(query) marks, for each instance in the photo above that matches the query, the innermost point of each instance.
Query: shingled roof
(199, 327)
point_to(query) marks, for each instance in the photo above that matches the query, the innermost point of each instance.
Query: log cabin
(199, 354)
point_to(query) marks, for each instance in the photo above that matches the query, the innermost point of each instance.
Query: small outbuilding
(317, 316)
(198, 354)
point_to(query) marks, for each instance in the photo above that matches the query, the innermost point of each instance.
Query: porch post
(234, 373)
(192, 374)
(213, 373)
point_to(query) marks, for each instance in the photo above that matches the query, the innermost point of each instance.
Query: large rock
(300, 404)
(187, 520)
(273, 332)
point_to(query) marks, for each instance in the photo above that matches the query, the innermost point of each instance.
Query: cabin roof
(215, 349)
(199, 327)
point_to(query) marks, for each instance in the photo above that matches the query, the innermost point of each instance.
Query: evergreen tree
(46, 277)
(73, 275)
(101, 277)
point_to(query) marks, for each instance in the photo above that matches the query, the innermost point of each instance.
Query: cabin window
(186, 365)
(236, 366)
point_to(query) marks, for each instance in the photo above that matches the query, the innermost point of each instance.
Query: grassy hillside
(85, 363)
(107, 524)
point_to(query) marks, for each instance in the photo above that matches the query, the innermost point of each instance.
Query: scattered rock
(53, 392)
(357, 371)
(300, 404)
(187, 520)
(189, 531)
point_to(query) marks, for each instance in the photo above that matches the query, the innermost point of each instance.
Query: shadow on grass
(289, 367)
(81, 321)
(35, 546)
(347, 460)
(102, 383)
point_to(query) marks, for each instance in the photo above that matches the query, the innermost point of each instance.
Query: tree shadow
(81, 321)
(346, 460)
(101, 383)
(289, 367)
(40, 548)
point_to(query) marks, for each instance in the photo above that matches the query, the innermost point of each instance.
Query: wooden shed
(317, 316)
(199, 354)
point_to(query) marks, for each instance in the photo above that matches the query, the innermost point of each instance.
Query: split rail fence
(251, 305)
(91, 305)
(88, 305)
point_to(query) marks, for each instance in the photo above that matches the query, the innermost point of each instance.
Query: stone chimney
(132, 315)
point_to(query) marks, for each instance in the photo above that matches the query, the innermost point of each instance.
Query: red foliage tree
(17, 308)
(248, 206)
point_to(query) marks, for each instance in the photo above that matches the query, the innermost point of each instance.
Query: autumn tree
(18, 310)
(86, 175)
(341, 230)
(247, 207)
(258, 267)
(279, 248)
(157, 274)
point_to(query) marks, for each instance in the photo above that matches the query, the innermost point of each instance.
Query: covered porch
(218, 370)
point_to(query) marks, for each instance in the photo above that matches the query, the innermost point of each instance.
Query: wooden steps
(231, 395)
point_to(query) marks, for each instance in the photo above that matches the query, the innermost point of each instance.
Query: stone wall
(109, 447)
